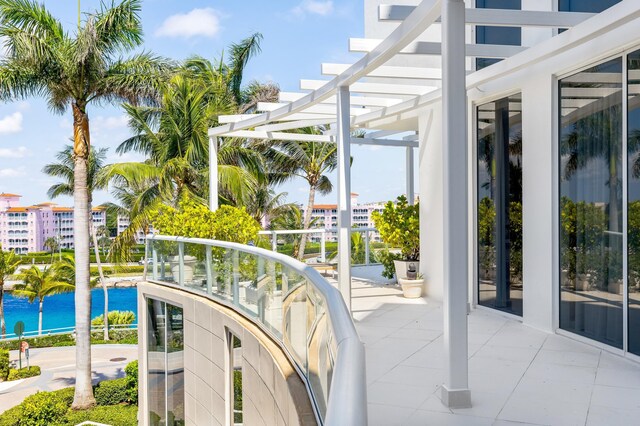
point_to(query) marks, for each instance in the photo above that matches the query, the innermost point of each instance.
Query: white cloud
(314, 7)
(203, 22)
(9, 173)
(19, 152)
(11, 123)
(109, 123)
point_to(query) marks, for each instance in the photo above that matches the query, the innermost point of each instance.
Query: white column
(431, 177)
(455, 390)
(344, 194)
(410, 174)
(213, 174)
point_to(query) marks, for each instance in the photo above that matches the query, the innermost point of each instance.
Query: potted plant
(399, 227)
(412, 288)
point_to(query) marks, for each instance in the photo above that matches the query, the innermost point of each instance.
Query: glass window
(165, 363)
(591, 203)
(590, 6)
(499, 129)
(511, 36)
(633, 209)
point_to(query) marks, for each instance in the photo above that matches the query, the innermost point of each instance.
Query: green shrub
(41, 342)
(23, 373)
(11, 417)
(386, 258)
(115, 318)
(42, 409)
(111, 392)
(4, 364)
(399, 226)
(115, 415)
(131, 372)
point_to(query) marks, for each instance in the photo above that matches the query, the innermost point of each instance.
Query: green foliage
(195, 220)
(4, 364)
(386, 258)
(55, 411)
(43, 408)
(111, 392)
(131, 375)
(115, 415)
(115, 318)
(23, 373)
(399, 226)
(125, 337)
(120, 269)
(237, 396)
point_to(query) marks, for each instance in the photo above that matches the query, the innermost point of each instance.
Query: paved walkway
(58, 370)
(518, 375)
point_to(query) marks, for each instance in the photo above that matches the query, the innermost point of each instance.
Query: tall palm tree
(52, 245)
(311, 161)
(63, 169)
(39, 283)
(9, 263)
(75, 70)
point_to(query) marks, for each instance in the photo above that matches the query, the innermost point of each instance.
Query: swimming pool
(59, 311)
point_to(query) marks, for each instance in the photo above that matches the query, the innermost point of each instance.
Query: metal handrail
(347, 400)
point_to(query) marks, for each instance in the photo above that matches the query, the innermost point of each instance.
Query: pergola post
(344, 193)
(455, 390)
(410, 173)
(213, 174)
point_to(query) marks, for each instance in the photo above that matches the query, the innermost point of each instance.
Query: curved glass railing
(290, 301)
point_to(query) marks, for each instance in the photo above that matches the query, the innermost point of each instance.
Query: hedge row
(23, 373)
(30, 258)
(126, 336)
(115, 399)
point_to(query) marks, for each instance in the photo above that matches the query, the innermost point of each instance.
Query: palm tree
(311, 161)
(37, 284)
(9, 263)
(52, 245)
(290, 217)
(74, 70)
(63, 169)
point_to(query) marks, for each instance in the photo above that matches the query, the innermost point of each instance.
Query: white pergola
(385, 101)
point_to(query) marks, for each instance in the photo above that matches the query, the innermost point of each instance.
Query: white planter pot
(401, 267)
(411, 289)
(189, 267)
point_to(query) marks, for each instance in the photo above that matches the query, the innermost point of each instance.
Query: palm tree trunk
(40, 317)
(83, 397)
(307, 221)
(102, 280)
(3, 326)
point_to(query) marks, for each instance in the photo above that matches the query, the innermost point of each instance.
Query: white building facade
(325, 217)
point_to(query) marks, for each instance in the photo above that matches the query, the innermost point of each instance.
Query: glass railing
(289, 300)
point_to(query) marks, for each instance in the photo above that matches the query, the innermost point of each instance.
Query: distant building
(326, 216)
(123, 224)
(25, 229)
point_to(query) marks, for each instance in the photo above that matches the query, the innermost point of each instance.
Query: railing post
(366, 247)
(208, 265)
(181, 264)
(274, 241)
(154, 252)
(323, 248)
(146, 257)
(236, 277)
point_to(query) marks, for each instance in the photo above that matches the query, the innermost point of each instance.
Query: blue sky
(298, 36)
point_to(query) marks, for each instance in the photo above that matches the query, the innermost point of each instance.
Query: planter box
(189, 267)
(411, 289)
(401, 267)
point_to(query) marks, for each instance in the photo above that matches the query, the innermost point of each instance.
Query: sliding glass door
(591, 251)
(499, 147)
(633, 208)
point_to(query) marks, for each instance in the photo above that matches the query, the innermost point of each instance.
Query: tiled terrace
(517, 375)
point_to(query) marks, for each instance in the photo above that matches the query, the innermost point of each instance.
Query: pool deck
(517, 375)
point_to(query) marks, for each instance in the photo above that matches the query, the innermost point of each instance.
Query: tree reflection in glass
(591, 203)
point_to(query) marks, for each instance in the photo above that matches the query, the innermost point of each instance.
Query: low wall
(273, 392)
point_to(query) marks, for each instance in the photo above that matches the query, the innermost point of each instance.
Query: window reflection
(500, 204)
(590, 6)
(165, 363)
(633, 212)
(511, 36)
(591, 203)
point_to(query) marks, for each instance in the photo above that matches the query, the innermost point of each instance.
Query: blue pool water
(59, 310)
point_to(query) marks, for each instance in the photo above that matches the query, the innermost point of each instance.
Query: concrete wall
(273, 393)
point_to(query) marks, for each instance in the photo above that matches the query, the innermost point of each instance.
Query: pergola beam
(387, 71)
(498, 17)
(368, 101)
(284, 136)
(416, 23)
(374, 88)
(497, 51)
(315, 109)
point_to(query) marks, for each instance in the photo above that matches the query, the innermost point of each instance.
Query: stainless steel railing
(290, 301)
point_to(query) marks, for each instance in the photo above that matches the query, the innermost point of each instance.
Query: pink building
(326, 216)
(25, 229)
